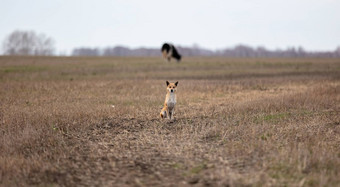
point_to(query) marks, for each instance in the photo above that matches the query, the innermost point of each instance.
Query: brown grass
(258, 122)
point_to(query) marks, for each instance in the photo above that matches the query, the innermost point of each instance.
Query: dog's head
(171, 87)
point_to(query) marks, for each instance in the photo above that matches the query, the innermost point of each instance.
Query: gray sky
(313, 24)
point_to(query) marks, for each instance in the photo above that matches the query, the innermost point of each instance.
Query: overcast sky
(313, 24)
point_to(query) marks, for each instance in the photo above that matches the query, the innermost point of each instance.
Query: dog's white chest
(171, 102)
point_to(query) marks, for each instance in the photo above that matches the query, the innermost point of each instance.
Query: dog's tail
(163, 114)
(176, 55)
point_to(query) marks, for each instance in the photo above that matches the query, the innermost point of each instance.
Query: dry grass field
(67, 121)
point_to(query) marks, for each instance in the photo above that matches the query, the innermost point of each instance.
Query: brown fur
(170, 101)
(165, 54)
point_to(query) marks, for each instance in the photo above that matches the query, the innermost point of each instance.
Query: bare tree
(28, 43)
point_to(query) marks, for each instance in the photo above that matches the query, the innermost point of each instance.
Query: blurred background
(258, 28)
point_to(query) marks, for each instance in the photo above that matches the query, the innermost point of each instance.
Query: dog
(170, 101)
(168, 51)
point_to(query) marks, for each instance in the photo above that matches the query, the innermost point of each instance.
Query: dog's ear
(167, 83)
(176, 83)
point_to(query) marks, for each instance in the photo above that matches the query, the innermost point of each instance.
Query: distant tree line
(237, 51)
(115, 51)
(31, 43)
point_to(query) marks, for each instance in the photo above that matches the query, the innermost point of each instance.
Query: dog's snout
(172, 90)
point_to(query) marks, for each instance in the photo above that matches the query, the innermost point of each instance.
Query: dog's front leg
(168, 114)
(171, 112)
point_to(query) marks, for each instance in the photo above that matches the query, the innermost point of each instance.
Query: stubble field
(67, 121)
